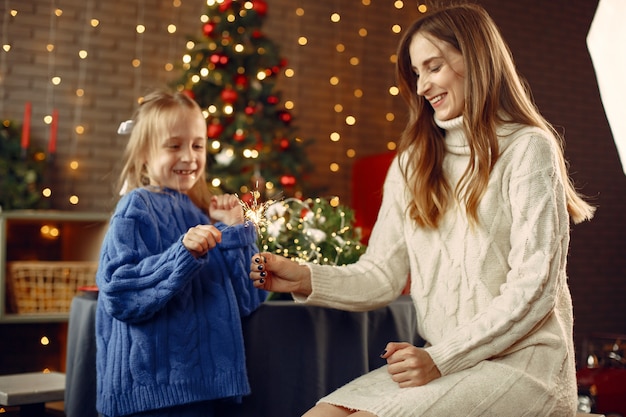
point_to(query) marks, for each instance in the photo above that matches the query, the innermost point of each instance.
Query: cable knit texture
(492, 301)
(169, 325)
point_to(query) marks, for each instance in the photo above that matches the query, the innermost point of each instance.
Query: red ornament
(208, 29)
(241, 80)
(283, 62)
(189, 94)
(214, 130)
(285, 116)
(219, 59)
(239, 135)
(215, 58)
(225, 5)
(260, 7)
(257, 34)
(248, 198)
(287, 180)
(272, 100)
(249, 110)
(229, 95)
(284, 143)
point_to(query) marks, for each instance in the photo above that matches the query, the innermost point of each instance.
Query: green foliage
(231, 71)
(313, 230)
(21, 172)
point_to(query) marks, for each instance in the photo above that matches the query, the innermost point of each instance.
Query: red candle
(26, 125)
(52, 143)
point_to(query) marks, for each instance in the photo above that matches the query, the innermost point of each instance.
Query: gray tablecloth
(295, 354)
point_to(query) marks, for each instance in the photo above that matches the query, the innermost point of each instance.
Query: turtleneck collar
(456, 141)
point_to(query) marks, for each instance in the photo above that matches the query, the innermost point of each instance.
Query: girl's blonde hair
(151, 121)
(494, 91)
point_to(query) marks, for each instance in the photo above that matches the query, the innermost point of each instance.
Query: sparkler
(255, 213)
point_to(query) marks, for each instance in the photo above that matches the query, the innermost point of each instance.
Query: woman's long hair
(494, 91)
(157, 111)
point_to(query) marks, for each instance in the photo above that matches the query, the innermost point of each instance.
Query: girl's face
(440, 74)
(180, 157)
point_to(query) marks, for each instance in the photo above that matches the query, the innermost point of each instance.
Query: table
(295, 354)
(31, 390)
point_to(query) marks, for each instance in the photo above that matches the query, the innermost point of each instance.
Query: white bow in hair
(125, 127)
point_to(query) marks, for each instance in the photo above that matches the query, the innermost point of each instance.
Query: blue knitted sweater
(168, 326)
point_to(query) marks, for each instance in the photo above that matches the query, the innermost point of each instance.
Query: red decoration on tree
(189, 94)
(287, 180)
(285, 116)
(250, 110)
(284, 143)
(225, 5)
(208, 29)
(272, 100)
(228, 95)
(241, 81)
(214, 130)
(219, 59)
(239, 135)
(259, 6)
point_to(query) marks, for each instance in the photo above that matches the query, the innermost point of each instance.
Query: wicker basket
(47, 287)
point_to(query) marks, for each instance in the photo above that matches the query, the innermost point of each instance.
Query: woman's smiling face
(440, 74)
(180, 157)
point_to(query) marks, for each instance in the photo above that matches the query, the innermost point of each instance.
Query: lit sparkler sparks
(255, 211)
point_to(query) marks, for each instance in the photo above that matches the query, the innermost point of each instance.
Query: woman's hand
(408, 365)
(276, 273)
(227, 209)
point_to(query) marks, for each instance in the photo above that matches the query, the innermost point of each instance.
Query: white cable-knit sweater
(492, 301)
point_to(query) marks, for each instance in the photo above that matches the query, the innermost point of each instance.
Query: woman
(476, 209)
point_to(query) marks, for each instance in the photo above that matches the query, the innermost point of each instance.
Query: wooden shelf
(46, 235)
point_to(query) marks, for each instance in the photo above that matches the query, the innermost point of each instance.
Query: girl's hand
(276, 273)
(408, 365)
(199, 239)
(226, 208)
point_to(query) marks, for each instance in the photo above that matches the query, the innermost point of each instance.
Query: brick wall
(547, 39)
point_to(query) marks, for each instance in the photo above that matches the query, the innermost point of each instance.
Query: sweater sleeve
(539, 238)
(137, 275)
(379, 276)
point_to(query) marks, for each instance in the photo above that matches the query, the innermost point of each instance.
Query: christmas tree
(231, 71)
(21, 171)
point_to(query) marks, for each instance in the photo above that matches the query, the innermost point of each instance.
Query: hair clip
(125, 127)
(124, 188)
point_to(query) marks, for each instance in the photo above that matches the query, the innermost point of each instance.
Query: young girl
(172, 277)
(476, 208)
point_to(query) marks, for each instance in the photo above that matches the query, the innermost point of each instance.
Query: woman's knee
(327, 410)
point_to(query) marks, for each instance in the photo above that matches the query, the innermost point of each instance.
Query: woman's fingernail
(262, 281)
(260, 267)
(383, 353)
(257, 260)
(263, 274)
